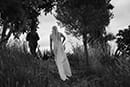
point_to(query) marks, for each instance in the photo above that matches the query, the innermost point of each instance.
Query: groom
(32, 38)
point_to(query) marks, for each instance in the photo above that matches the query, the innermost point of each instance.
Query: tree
(84, 18)
(123, 42)
(21, 16)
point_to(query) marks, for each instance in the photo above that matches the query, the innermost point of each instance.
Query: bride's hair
(55, 31)
(54, 28)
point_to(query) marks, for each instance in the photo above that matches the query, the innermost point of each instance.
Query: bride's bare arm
(50, 44)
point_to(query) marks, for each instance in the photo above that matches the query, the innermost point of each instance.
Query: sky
(121, 13)
(121, 20)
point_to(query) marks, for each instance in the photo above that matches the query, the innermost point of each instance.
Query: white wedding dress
(60, 57)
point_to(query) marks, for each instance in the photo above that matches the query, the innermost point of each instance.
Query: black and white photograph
(64, 43)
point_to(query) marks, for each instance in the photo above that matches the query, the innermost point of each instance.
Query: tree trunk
(85, 49)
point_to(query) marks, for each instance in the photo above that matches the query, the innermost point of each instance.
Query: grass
(20, 69)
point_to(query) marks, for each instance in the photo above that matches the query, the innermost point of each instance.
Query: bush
(115, 71)
(76, 58)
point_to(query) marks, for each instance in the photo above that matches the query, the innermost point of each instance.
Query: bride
(56, 47)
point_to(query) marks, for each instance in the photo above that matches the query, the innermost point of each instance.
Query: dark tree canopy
(83, 17)
(20, 16)
(123, 41)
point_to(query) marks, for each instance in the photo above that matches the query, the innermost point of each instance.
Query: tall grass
(18, 68)
(107, 69)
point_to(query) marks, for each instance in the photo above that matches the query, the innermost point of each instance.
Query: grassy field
(20, 69)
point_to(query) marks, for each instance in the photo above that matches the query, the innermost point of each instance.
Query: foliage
(76, 58)
(109, 37)
(17, 67)
(101, 41)
(115, 71)
(20, 16)
(123, 41)
(88, 16)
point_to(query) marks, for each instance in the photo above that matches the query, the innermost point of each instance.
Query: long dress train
(61, 60)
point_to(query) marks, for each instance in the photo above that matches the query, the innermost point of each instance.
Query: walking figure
(56, 46)
(32, 38)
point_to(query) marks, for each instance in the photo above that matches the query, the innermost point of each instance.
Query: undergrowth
(18, 68)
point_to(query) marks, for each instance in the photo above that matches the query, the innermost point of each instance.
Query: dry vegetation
(20, 69)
